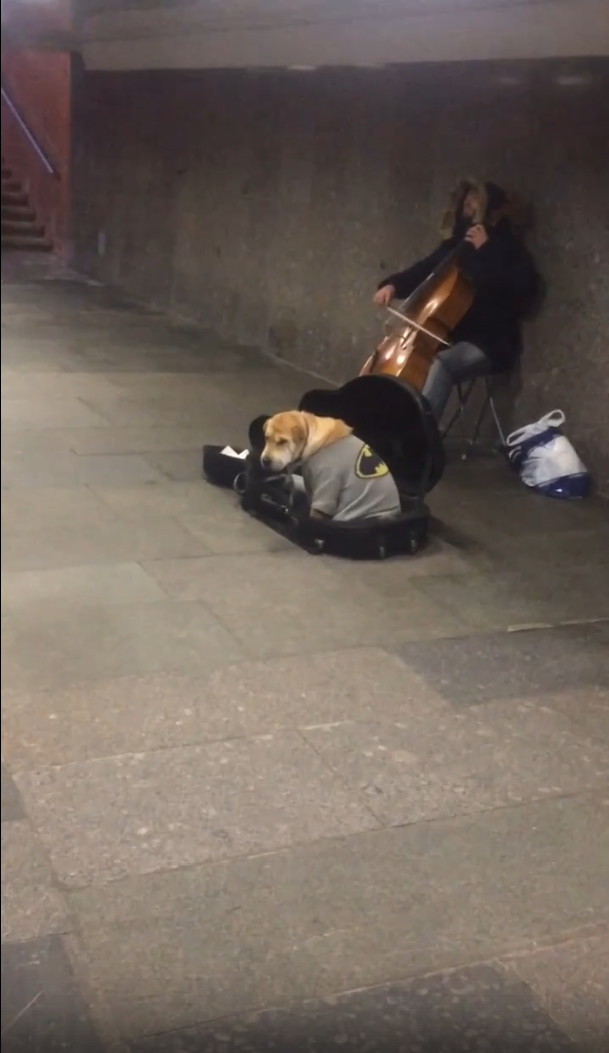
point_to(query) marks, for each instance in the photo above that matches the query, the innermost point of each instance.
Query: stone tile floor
(253, 800)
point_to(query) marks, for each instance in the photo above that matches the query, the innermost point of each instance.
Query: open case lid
(392, 418)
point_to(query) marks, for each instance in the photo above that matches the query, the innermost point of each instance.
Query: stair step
(21, 229)
(14, 197)
(20, 241)
(22, 226)
(18, 212)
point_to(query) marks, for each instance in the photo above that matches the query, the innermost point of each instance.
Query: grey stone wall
(268, 205)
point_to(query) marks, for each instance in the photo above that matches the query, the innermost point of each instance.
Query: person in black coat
(488, 338)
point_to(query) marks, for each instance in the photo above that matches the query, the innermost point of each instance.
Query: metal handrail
(47, 164)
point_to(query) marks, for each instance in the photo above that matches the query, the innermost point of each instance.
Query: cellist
(488, 337)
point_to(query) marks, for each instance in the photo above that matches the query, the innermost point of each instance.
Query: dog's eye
(281, 442)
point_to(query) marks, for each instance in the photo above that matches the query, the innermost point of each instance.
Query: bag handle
(554, 420)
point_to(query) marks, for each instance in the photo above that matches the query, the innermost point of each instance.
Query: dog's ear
(301, 429)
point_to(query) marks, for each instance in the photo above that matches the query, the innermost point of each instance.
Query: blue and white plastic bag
(545, 459)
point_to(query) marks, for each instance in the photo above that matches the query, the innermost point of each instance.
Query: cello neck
(451, 259)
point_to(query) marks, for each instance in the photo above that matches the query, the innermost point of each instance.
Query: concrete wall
(269, 205)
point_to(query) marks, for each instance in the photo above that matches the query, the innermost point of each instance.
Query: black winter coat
(505, 282)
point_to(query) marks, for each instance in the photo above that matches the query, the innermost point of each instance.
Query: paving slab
(94, 584)
(12, 805)
(56, 413)
(570, 981)
(477, 1008)
(31, 904)
(59, 469)
(76, 642)
(105, 541)
(42, 1006)
(493, 665)
(291, 602)
(515, 600)
(135, 813)
(141, 713)
(56, 507)
(225, 529)
(494, 755)
(343, 913)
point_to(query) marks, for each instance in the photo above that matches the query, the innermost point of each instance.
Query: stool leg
(498, 426)
(463, 394)
(471, 442)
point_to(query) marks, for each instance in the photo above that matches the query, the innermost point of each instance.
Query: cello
(425, 321)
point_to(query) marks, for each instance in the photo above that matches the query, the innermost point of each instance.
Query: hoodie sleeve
(405, 282)
(499, 264)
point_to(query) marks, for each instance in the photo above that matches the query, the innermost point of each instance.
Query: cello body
(423, 325)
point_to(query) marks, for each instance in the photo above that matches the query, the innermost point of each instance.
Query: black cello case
(396, 422)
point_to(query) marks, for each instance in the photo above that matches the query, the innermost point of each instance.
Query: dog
(344, 479)
(293, 436)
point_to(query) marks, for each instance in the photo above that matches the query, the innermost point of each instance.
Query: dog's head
(286, 436)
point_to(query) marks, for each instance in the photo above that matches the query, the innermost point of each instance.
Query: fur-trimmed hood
(497, 207)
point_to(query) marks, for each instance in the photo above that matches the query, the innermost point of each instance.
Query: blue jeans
(459, 362)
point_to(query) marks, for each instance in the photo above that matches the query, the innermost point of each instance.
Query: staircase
(20, 228)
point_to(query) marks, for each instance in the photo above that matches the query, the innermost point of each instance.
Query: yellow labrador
(343, 478)
(293, 436)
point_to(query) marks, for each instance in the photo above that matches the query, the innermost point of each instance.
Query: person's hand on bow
(383, 296)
